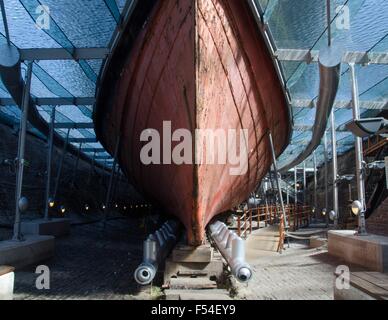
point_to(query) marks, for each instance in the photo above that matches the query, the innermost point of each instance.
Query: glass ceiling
(359, 25)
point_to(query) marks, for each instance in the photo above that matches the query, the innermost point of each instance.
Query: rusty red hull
(200, 64)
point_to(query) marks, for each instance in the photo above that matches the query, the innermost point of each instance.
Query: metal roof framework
(69, 59)
(296, 31)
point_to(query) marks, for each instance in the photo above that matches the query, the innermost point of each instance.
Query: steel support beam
(74, 125)
(49, 161)
(63, 54)
(83, 140)
(359, 153)
(61, 101)
(334, 168)
(312, 56)
(311, 128)
(21, 152)
(102, 157)
(342, 104)
(96, 150)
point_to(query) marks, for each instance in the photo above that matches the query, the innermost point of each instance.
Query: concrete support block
(28, 252)
(53, 227)
(370, 252)
(202, 254)
(7, 279)
(209, 269)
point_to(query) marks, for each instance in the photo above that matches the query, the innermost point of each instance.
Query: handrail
(297, 216)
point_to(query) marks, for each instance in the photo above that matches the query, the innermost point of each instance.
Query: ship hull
(197, 64)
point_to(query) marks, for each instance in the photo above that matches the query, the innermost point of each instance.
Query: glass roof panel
(293, 25)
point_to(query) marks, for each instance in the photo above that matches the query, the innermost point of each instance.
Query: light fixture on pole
(357, 207)
(367, 127)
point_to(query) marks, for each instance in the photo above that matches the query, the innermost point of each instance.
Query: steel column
(304, 182)
(359, 152)
(315, 183)
(108, 194)
(326, 178)
(61, 164)
(296, 185)
(288, 196)
(335, 168)
(277, 180)
(21, 151)
(5, 22)
(49, 161)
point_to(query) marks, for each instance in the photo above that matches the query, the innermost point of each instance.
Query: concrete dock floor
(90, 264)
(299, 273)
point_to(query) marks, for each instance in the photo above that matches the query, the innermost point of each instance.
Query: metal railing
(298, 216)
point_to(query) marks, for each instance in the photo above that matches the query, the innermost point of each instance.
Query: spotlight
(356, 207)
(23, 204)
(324, 211)
(116, 205)
(51, 203)
(63, 209)
(103, 207)
(125, 208)
(332, 215)
(364, 128)
(87, 207)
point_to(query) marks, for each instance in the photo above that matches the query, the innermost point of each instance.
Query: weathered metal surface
(200, 64)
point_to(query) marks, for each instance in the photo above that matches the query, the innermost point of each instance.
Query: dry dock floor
(89, 264)
(95, 264)
(299, 273)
